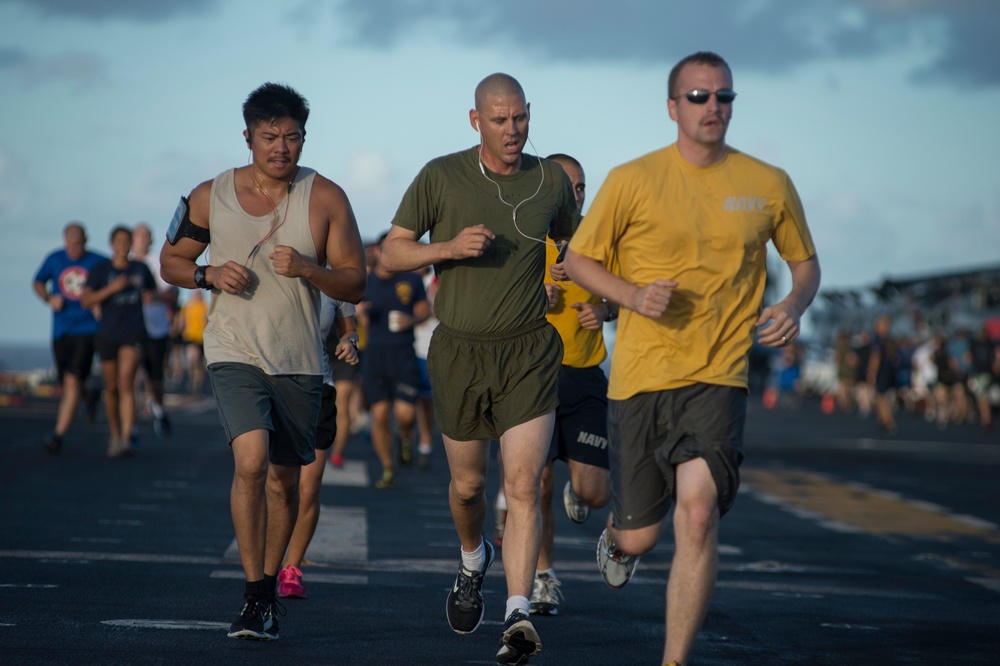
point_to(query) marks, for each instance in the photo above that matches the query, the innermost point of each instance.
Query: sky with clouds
(882, 111)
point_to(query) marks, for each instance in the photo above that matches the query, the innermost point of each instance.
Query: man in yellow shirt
(688, 225)
(580, 436)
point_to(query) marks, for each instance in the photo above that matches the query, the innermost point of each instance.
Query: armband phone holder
(181, 226)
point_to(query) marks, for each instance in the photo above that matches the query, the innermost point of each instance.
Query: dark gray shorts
(486, 384)
(286, 405)
(651, 433)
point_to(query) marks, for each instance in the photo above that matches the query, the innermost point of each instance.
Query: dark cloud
(82, 70)
(141, 10)
(762, 35)
(10, 58)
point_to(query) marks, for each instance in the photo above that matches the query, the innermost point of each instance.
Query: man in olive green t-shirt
(490, 210)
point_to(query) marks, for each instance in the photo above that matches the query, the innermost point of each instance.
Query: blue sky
(882, 111)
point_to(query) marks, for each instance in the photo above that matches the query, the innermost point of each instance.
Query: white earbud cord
(482, 168)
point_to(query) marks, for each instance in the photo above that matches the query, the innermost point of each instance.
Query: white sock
(425, 448)
(517, 602)
(476, 560)
(501, 502)
(156, 409)
(546, 572)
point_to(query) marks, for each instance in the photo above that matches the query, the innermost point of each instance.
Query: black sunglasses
(725, 96)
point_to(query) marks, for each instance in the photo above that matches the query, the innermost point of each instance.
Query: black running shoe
(161, 426)
(465, 600)
(251, 623)
(272, 610)
(53, 445)
(520, 641)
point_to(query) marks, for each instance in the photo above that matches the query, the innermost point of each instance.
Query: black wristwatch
(199, 278)
(612, 312)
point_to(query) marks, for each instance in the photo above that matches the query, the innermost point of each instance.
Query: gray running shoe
(545, 596)
(615, 566)
(520, 641)
(576, 509)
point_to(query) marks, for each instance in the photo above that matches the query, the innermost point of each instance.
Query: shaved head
(499, 85)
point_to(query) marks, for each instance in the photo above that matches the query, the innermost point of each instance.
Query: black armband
(181, 226)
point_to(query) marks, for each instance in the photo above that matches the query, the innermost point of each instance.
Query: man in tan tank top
(279, 234)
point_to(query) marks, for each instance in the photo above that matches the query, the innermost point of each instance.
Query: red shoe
(290, 583)
(501, 525)
(337, 460)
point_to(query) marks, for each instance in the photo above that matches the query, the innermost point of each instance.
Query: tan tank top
(274, 325)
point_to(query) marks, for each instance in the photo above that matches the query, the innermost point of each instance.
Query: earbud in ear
(477, 125)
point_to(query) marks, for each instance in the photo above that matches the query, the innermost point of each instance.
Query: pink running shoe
(290, 583)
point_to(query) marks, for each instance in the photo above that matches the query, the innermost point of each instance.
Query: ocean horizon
(25, 357)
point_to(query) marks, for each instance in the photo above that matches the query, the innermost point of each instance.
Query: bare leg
(247, 502)
(425, 420)
(282, 510)
(468, 463)
(345, 390)
(525, 448)
(546, 491)
(128, 363)
(406, 420)
(883, 412)
(72, 390)
(693, 570)
(591, 483)
(111, 393)
(310, 483)
(381, 433)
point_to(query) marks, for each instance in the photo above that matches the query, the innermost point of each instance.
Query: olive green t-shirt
(502, 290)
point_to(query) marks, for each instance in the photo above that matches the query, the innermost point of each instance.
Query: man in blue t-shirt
(59, 283)
(390, 373)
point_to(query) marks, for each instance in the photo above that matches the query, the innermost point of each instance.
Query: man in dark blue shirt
(390, 373)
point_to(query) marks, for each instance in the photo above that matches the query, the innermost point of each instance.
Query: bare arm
(785, 315)
(421, 311)
(177, 262)
(402, 252)
(92, 297)
(347, 348)
(54, 301)
(339, 270)
(650, 300)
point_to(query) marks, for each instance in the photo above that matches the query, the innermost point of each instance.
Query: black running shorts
(74, 354)
(326, 427)
(581, 430)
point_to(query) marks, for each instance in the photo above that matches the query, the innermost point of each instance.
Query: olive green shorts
(484, 384)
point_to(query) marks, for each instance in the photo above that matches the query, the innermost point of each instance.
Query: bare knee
(466, 488)
(638, 541)
(308, 495)
(283, 483)
(696, 522)
(521, 488)
(591, 484)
